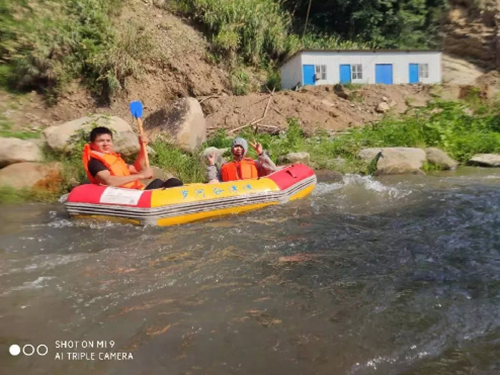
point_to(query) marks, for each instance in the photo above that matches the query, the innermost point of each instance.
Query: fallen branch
(209, 97)
(239, 128)
(265, 112)
(269, 126)
(268, 104)
(255, 122)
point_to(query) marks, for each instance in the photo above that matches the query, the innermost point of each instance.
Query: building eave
(299, 52)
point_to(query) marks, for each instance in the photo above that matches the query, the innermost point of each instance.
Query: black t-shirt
(95, 166)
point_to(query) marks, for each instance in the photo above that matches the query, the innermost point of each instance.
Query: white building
(312, 67)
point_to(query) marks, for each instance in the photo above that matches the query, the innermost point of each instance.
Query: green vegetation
(7, 131)
(381, 23)
(257, 33)
(45, 45)
(187, 168)
(453, 127)
(450, 126)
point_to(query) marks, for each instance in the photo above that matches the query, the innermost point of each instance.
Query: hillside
(183, 64)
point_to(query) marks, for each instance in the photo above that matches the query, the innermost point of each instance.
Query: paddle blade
(136, 109)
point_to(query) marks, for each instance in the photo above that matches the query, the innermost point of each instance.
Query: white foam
(35, 284)
(367, 182)
(46, 262)
(324, 188)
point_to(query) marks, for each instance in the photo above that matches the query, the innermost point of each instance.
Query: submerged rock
(487, 160)
(325, 175)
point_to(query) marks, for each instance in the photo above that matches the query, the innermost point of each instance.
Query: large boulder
(395, 160)
(486, 160)
(13, 150)
(60, 138)
(32, 175)
(183, 123)
(440, 158)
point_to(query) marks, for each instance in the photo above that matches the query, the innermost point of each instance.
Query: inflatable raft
(191, 202)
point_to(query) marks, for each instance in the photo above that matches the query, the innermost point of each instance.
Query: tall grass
(253, 29)
(256, 30)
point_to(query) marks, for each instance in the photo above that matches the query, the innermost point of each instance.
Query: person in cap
(106, 167)
(242, 167)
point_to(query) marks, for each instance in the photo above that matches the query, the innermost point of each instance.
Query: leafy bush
(256, 30)
(240, 82)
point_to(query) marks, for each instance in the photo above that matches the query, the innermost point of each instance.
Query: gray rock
(60, 138)
(383, 107)
(183, 123)
(486, 160)
(28, 175)
(395, 160)
(13, 150)
(297, 157)
(325, 175)
(440, 158)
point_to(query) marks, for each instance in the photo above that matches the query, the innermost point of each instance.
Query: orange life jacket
(243, 170)
(113, 162)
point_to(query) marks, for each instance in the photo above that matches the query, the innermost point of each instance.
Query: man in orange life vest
(106, 167)
(241, 168)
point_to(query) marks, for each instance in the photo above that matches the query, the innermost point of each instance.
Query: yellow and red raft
(191, 202)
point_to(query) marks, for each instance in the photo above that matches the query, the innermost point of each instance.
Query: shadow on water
(392, 276)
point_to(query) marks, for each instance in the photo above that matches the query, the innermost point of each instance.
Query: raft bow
(192, 202)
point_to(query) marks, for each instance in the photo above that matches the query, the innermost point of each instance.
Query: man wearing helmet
(241, 168)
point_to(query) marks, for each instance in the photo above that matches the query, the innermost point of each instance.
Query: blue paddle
(136, 110)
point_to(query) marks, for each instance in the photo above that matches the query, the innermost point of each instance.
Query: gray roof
(360, 50)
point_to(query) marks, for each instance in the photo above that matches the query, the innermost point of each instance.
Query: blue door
(413, 73)
(383, 74)
(308, 75)
(345, 73)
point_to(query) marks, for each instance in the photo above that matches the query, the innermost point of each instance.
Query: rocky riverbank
(440, 136)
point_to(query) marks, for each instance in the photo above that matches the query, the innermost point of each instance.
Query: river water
(395, 275)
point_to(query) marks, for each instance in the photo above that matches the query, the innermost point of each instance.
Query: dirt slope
(316, 107)
(472, 31)
(184, 70)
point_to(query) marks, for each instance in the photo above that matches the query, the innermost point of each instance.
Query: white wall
(291, 72)
(400, 61)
